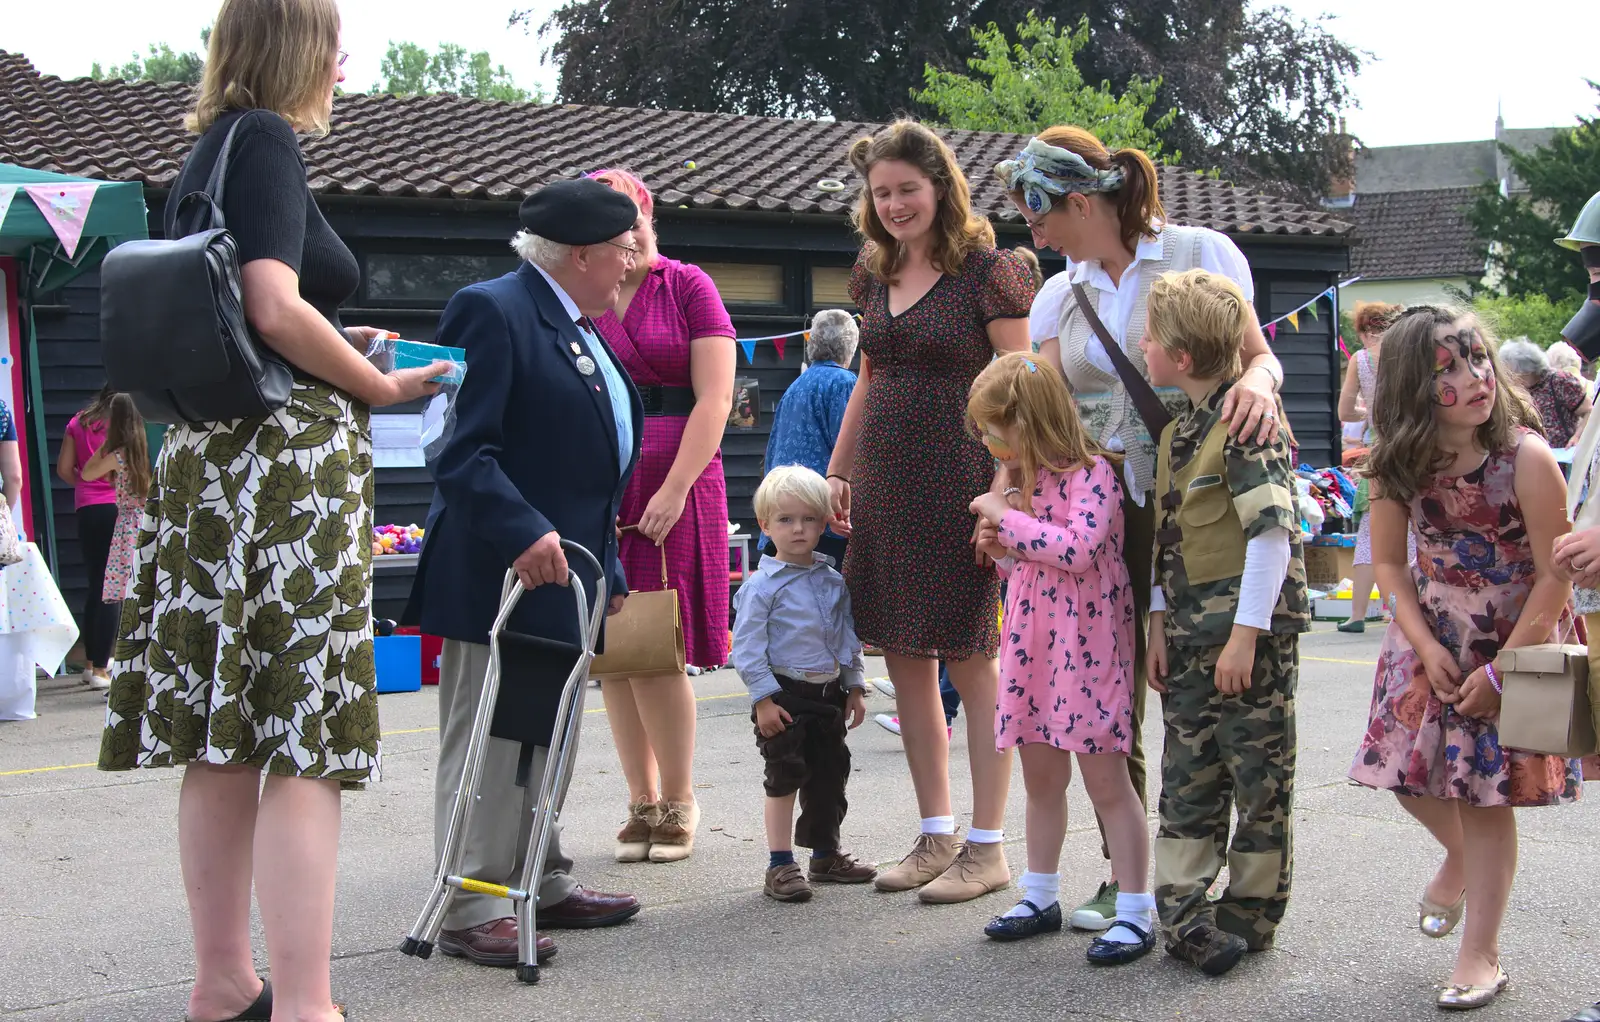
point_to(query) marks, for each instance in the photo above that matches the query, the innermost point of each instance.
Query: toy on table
(396, 539)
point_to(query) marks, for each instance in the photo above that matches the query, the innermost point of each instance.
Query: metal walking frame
(552, 786)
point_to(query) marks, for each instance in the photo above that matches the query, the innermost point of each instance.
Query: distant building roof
(1415, 234)
(448, 147)
(1420, 168)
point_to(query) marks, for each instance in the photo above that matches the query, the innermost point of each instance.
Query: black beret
(578, 212)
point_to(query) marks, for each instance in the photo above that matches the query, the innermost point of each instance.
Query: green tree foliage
(1257, 90)
(1533, 316)
(160, 64)
(1029, 85)
(410, 70)
(1518, 231)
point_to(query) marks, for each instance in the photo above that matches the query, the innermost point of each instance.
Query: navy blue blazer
(534, 450)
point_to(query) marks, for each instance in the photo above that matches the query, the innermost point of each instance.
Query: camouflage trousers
(1219, 750)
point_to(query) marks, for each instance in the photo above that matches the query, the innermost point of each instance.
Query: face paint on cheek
(1445, 396)
(1442, 357)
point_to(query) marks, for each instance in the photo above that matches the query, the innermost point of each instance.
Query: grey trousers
(496, 843)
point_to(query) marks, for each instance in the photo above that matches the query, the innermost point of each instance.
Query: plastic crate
(399, 662)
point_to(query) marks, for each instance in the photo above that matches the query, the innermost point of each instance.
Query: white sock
(1043, 889)
(1138, 909)
(984, 837)
(938, 824)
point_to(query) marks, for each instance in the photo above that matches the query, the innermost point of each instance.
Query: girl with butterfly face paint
(1460, 462)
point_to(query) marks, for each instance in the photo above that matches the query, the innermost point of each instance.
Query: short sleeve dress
(914, 584)
(675, 304)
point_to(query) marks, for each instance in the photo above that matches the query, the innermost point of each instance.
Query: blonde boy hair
(792, 481)
(1203, 315)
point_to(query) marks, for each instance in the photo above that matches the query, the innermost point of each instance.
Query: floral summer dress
(1473, 571)
(914, 584)
(1066, 671)
(124, 540)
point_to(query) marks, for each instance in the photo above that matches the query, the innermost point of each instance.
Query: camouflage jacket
(1214, 493)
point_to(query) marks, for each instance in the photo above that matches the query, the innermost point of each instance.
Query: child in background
(1067, 657)
(96, 504)
(1227, 608)
(125, 454)
(795, 647)
(1483, 495)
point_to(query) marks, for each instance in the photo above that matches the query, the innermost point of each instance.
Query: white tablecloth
(36, 629)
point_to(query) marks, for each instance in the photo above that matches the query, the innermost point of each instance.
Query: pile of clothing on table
(1327, 498)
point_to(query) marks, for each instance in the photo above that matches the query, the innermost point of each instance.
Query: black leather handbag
(173, 332)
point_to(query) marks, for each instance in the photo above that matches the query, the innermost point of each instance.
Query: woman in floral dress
(1486, 516)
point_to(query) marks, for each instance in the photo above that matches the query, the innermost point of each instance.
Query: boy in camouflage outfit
(1228, 604)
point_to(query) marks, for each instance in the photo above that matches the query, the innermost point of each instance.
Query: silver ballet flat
(1438, 920)
(1466, 998)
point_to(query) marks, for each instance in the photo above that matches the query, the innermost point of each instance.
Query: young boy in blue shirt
(795, 647)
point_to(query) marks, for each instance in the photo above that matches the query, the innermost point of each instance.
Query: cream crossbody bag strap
(1580, 475)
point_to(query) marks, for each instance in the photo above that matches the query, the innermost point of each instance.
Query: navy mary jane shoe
(1110, 952)
(1017, 927)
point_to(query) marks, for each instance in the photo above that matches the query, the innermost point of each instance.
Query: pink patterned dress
(675, 304)
(1066, 665)
(124, 538)
(1474, 570)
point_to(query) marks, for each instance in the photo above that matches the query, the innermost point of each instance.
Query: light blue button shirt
(616, 384)
(798, 619)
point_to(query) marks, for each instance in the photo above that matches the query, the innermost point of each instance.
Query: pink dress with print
(1474, 570)
(124, 540)
(675, 304)
(1066, 659)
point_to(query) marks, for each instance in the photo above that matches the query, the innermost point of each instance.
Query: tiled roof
(1415, 234)
(447, 147)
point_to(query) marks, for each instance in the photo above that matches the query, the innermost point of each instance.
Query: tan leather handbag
(1545, 701)
(645, 638)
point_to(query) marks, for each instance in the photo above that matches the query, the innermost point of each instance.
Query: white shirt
(1218, 254)
(1044, 318)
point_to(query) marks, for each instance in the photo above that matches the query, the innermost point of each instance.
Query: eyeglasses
(1035, 225)
(632, 250)
(343, 56)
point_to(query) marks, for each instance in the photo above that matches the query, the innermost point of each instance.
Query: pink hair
(629, 185)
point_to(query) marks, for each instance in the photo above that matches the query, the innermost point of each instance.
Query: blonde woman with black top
(247, 646)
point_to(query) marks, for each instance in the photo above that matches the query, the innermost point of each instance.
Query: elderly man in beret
(546, 434)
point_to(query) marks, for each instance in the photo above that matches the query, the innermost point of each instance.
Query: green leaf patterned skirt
(248, 638)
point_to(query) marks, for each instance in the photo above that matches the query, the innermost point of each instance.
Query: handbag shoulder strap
(662, 548)
(1143, 396)
(209, 198)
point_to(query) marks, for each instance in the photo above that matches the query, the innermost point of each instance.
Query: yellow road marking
(386, 734)
(1335, 660)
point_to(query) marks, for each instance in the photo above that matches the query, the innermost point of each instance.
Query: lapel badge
(586, 365)
(576, 348)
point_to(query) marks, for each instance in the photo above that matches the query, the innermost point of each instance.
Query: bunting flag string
(7, 193)
(1272, 330)
(1294, 319)
(749, 348)
(66, 208)
(778, 343)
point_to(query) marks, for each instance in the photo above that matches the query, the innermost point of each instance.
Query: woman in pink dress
(673, 336)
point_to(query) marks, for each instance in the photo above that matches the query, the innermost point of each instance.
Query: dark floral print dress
(915, 586)
(1474, 570)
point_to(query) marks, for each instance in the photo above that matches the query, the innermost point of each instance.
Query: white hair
(1524, 358)
(1565, 357)
(542, 252)
(833, 337)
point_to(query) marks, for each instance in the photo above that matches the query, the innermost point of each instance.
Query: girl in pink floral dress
(1067, 649)
(1486, 499)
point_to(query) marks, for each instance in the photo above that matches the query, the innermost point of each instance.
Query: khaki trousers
(496, 843)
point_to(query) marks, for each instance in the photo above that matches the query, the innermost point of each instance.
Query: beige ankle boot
(672, 835)
(633, 840)
(976, 870)
(929, 857)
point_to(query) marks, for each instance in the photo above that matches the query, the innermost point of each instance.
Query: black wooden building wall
(415, 255)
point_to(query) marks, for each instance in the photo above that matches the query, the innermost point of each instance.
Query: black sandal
(260, 1009)
(1019, 927)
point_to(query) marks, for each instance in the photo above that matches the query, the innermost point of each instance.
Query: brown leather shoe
(843, 868)
(584, 909)
(492, 943)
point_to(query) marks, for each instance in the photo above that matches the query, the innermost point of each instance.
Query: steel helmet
(1585, 229)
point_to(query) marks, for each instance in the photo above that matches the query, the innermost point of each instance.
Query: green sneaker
(1098, 912)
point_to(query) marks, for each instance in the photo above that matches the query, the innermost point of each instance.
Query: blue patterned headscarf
(1043, 172)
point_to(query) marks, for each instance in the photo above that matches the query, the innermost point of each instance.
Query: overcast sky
(1441, 68)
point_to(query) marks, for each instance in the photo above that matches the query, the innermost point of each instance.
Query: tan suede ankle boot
(930, 856)
(977, 870)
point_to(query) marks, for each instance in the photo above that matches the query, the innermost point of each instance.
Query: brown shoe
(787, 883)
(633, 840)
(584, 909)
(929, 857)
(492, 943)
(841, 869)
(977, 870)
(672, 839)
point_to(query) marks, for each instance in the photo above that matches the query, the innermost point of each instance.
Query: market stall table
(36, 629)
